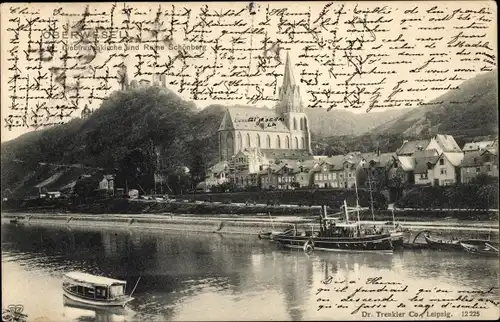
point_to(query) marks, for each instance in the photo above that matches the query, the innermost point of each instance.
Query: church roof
(288, 79)
(251, 118)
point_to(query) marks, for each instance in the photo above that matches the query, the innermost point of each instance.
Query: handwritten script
(58, 58)
(377, 298)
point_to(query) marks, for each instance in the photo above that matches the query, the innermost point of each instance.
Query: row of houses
(438, 161)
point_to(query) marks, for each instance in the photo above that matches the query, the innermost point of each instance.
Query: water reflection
(76, 311)
(188, 276)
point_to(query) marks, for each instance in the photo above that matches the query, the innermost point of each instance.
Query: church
(279, 133)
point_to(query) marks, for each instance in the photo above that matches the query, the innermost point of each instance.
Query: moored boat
(270, 234)
(95, 290)
(338, 236)
(442, 244)
(480, 247)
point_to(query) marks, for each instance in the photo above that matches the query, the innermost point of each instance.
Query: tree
(136, 170)
(84, 187)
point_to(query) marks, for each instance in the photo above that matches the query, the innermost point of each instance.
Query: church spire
(289, 92)
(288, 79)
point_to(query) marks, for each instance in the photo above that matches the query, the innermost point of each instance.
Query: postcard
(232, 161)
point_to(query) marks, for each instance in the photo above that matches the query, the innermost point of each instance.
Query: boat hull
(480, 247)
(378, 243)
(443, 245)
(397, 239)
(103, 303)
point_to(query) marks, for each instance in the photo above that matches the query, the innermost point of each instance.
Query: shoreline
(230, 225)
(215, 209)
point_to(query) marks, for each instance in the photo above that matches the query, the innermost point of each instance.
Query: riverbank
(234, 224)
(127, 206)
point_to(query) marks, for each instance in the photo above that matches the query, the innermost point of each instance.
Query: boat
(480, 247)
(344, 236)
(95, 290)
(442, 244)
(99, 310)
(270, 234)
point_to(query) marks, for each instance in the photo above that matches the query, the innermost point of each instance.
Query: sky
(356, 55)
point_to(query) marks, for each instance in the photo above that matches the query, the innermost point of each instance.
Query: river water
(189, 276)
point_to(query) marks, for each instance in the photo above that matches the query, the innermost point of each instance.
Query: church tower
(291, 109)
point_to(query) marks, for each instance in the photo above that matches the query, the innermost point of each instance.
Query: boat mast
(371, 195)
(346, 212)
(357, 197)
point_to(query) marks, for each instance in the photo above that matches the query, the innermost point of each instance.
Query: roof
(280, 154)
(219, 167)
(473, 146)
(288, 79)
(274, 167)
(309, 164)
(472, 159)
(447, 143)
(353, 157)
(407, 163)
(251, 118)
(425, 154)
(380, 160)
(409, 147)
(421, 163)
(454, 157)
(93, 279)
(336, 161)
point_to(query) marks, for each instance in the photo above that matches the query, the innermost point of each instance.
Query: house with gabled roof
(479, 162)
(402, 168)
(437, 169)
(424, 165)
(444, 143)
(408, 148)
(476, 146)
(217, 174)
(330, 172)
(375, 168)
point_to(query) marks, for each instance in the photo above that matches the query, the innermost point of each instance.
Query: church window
(240, 141)
(301, 123)
(229, 145)
(296, 143)
(303, 145)
(248, 140)
(305, 124)
(278, 142)
(268, 141)
(294, 123)
(287, 142)
(258, 140)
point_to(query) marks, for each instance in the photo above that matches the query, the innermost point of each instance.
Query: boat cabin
(96, 288)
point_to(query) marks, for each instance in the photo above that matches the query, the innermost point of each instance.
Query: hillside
(469, 112)
(338, 122)
(120, 134)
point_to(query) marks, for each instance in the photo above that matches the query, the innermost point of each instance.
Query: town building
(217, 175)
(479, 162)
(477, 146)
(329, 173)
(375, 169)
(408, 148)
